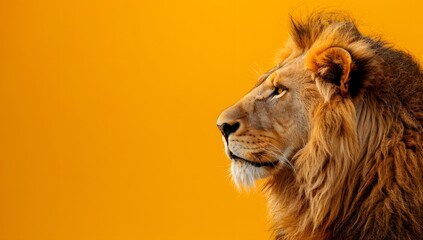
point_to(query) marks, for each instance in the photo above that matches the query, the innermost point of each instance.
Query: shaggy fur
(360, 175)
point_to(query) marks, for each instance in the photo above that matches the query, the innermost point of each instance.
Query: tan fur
(352, 121)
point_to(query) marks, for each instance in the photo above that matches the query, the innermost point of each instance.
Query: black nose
(227, 129)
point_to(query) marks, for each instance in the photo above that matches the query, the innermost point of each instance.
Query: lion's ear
(331, 69)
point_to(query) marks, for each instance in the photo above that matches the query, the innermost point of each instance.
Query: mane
(360, 175)
(306, 31)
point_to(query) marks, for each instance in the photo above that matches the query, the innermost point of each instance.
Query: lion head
(335, 128)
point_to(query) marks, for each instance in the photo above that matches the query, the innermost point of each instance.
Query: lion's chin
(245, 175)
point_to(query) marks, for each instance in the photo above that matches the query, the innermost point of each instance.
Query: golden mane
(360, 175)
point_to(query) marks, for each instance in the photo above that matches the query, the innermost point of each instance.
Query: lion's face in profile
(271, 123)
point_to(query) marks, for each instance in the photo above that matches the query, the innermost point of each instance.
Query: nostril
(227, 129)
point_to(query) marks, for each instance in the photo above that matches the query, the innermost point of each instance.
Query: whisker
(256, 71)
(284, 158)
(278, 154)
(260, 69)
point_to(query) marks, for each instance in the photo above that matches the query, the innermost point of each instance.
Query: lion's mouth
(255, 164)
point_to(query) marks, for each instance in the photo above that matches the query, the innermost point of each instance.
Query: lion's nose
(227, 129)
(230, 120)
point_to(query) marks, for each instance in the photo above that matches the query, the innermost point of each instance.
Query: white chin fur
(245, 175)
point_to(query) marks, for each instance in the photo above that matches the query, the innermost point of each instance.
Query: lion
(335, 129)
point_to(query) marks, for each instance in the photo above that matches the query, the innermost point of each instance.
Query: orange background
(108, 111)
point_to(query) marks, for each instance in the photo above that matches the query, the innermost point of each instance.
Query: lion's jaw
(245, 172)
(267, 126)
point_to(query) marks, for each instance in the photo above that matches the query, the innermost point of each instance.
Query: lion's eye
(279, 91)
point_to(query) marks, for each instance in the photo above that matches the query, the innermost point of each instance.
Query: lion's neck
(371, 128)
